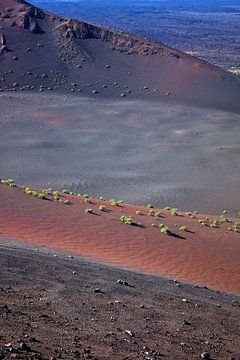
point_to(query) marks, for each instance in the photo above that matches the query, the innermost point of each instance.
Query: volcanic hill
(42, 52)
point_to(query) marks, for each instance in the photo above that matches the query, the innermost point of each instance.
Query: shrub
(90, 211)
(150, 206)
(151, 213)
(183, 228)
(203, 222)
(174, 212)
(126, 219)
(223, 219)
(102, 208)
(165, 230)
(191, 214)
(9, 182)
(167, 208)
(65, 191)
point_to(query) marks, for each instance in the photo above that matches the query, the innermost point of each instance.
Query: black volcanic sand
(139, 152)
(54, 306)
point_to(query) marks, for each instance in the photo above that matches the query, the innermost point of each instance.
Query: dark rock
(205, 355)
(4, 49)
(2, 40)
(98, 291)
(24, 346)
(35, 28)
(122, 282)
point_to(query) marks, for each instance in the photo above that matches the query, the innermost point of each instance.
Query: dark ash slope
(67, 308)
(40, 51)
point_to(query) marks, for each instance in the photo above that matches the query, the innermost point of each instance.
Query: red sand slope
(204, 256)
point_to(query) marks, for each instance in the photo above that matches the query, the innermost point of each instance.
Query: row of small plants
(50, 194)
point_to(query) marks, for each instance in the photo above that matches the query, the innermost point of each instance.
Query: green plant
(66, 202)
(151, 213)
(90, 211)
(150, 206)
(56, 195)
(9, 182)
(214, 223)
(126, 219)
(102, 208)
(47, 191)
(234, 228)
(165, 230)
(223, 219)
(40, 196)
(183, 228)
(191, 214)
(203, 222)
(174, 211)
(34, 193)
(65, 191)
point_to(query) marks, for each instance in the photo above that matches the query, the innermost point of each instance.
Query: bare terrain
(77, 57)
(207, 29)
(56, 307)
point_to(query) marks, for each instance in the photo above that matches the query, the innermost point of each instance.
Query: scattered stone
(4, 49)
(24, 346)
(129, 333)
(123, 282)
(98, 291)
(205, 355)
(2, 40)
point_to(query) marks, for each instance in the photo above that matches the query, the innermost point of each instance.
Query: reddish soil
(204, 255)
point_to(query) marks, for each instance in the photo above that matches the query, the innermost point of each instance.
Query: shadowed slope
(40, 51)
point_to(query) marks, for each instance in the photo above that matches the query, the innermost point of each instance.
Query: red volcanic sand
(203, 256)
